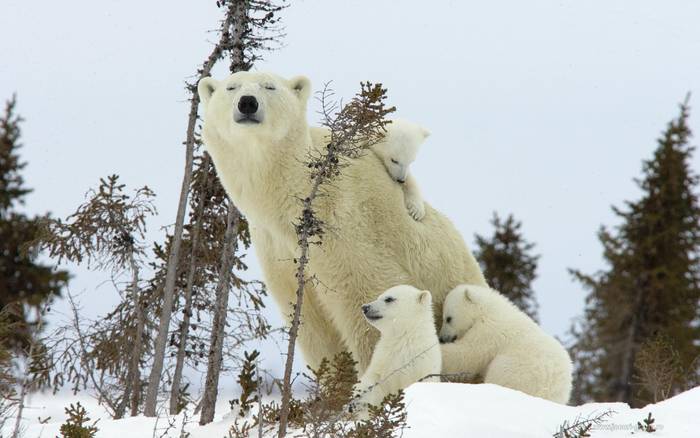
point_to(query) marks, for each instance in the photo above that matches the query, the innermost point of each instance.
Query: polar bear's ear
(425, 133)
(206, 88)
(424, 297)
(301, 85)
(466, 295)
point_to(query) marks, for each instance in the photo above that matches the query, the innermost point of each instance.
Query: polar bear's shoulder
(319, 135)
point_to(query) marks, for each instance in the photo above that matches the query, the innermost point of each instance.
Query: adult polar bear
(256, 132)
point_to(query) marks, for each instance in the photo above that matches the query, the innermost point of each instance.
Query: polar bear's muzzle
(370, 313)
(248, 111)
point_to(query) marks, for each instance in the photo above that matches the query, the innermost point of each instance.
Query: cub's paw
(415, 208)
(358, 410)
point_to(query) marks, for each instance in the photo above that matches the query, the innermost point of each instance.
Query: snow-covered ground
(434, 410)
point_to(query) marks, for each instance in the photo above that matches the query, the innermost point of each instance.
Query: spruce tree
(651, 286)
(25, 284)
(508, 263)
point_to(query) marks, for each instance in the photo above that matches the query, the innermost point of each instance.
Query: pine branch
(581, 426)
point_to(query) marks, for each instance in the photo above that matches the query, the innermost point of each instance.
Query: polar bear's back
(369, 225)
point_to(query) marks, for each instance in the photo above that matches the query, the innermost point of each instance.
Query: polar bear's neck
(420, 326)
(263, 178)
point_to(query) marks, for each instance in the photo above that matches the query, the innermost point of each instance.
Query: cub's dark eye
(389, 300)
(269, 87)
(231, 87)
(448, 319)
(394, 161)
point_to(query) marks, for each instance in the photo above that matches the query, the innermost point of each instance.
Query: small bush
(76, 426)
(647, 425)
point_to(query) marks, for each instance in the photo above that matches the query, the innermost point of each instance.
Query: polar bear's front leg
(345, 311)
(318, 338)
(367, 392)
(413, 198)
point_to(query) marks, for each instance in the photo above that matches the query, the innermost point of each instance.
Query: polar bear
(484, 334)
(255, 129)
(397, 150)
(408, 349)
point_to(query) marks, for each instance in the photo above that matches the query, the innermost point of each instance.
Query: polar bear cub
(484, 334)
(408, 349)
(397, 150)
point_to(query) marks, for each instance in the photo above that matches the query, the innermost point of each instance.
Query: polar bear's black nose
(248, 105)
(365, 308)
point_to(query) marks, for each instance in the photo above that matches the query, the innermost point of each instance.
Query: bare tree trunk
(20, 407)
(623, 390)
(187, 311)
(133, 378)
(25, 383)
(173, 257)
(238, 16)
(296, 319)
(357, 127)
(134, 367)
(88, 367)
(211, 385)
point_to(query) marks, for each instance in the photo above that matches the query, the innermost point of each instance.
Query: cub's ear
(466, 295)
(301, 85)
(425, 133)
(424, 297)
(206, 88)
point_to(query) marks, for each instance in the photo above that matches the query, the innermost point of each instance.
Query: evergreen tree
(24, 283)
(507, 263)
(651, 287)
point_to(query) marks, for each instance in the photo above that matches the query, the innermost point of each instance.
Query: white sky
(542, 108)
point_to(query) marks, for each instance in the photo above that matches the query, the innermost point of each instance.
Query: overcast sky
(543, 109)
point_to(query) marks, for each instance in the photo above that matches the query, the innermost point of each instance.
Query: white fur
(490, 337)
(371, 243)
(408, 348)
(397, 151)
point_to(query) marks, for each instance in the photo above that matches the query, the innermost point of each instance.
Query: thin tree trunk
(88, 367)
(211, 385)
(173, 257)
(296, 319)
(25, 384)
(20, 407)
(623, 391)
(237, 16)
(187, 311)
(134, 368)
(133, 377)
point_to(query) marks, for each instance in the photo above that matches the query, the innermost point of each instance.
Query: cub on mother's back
(484, 334)
(397, 150)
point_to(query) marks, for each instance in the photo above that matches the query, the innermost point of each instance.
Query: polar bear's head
(252, 105)
(399, 147)
(463, 307)
(399, 307)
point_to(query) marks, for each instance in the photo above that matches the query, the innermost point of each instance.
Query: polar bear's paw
(415, 208)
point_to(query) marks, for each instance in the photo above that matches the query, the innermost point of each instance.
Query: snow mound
(434, 410)
(459, 410)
